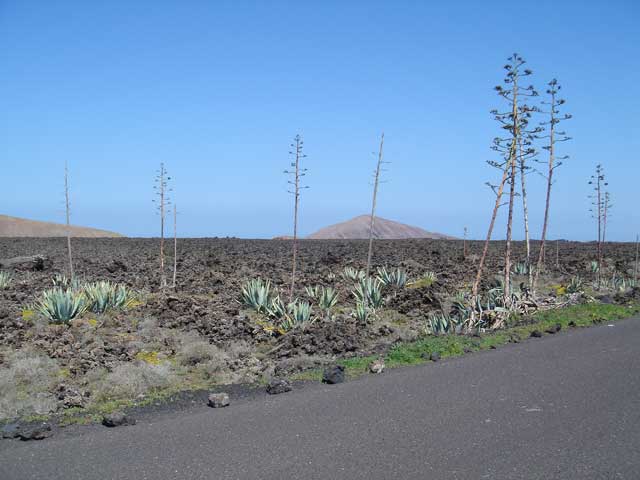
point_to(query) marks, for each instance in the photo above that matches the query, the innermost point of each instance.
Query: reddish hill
(21, 227)
(358, 227)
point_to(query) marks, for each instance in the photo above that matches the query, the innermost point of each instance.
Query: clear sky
(217, 90)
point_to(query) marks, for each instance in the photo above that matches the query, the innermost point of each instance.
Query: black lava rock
(572, 323)
(334, 374)
(606, 299)
(35, 432)
(434, 357)
(554, 329)
(278, 385)
(536, 334)
(117, 419)
(11, 430)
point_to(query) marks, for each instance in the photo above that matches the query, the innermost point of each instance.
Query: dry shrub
(194, 350)
(25, 384)
(239, 349)
(130, 380)
(196, 354)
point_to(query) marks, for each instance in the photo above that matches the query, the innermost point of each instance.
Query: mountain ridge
(358, 228)
(22, 227)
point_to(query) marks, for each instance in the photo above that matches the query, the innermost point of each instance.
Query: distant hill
(21, 227)
(358, 227)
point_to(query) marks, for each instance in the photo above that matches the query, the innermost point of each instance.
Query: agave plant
(462, 308)
(594, 266)
(521, 268)
(61, 304)
(102, 296)
(328, 298)
(441, 324)
(628, 283)
(368, 291)
(5, 280)
(395, 278)
(575, 284)
(256, 294)
(353, 274)
(62, 281)
(299, 315)
(276, 308)
(618, 283)
(313, 292)
(361, 312)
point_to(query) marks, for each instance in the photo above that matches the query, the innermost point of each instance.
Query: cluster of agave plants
(262, 297)
(487, 308)
(71, 298)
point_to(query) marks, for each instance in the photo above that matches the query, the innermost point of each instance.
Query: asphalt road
(562, 407)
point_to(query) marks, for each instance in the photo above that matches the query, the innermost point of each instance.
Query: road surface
(562, 407)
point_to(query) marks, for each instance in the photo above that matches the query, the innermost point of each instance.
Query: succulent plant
(395, 278)
(61, 305)
(102, 296)
(276, 308)
(328, 298)
(575, 284)
(5, 280)
(368, 291)
(299, 314)
(256, 294)
(441, 324)
(313, 292)
(353, 274)
(361, 312)
(521, 268)
(62, 281)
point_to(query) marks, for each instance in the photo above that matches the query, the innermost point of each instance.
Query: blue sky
(217, 90)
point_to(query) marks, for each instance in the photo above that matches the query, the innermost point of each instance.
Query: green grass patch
(418, 352)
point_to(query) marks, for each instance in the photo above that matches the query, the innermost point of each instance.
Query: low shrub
(25, 381)
(130, 380)
(194, 351)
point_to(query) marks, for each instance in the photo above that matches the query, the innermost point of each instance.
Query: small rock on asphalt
(377, 366)
(35, 432)
(11, 430)
(278, 385)
(536, 334)
(117, 419)
(218, 400)
(554, 329)
(334, 374)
